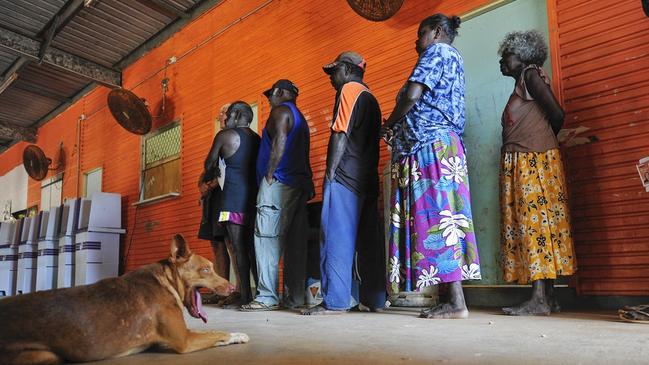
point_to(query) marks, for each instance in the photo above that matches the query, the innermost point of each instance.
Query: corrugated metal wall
(221, 59)
(601, 68)
(603, 51)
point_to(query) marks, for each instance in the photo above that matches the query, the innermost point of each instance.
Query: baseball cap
(283, 84)
(349, 57)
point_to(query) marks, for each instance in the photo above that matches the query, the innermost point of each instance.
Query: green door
(487, 91)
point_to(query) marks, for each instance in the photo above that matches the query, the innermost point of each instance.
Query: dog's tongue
(199, 306)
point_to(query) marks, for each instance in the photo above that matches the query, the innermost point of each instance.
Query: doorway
(487, 92)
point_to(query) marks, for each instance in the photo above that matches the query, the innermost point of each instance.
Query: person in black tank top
(209, 228)
(238, 146)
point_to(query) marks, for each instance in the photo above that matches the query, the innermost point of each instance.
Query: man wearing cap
(285, 184)
(349, 221)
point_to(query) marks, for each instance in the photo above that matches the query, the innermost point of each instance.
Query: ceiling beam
(12, 73)
(165, 7)
(68, 62)
(12, 131)
(56, 24)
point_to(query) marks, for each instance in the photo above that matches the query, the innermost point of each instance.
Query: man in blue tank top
(285, 184)
(234, 210)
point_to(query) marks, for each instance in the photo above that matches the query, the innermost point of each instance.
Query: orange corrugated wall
(291, 39)
(602, 59)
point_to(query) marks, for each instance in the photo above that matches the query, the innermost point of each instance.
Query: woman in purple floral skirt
(432, 239)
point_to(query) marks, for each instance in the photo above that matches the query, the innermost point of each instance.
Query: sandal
(636, 314)
(256, 306)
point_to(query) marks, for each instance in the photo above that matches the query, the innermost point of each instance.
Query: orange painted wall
(283, 39)
(603, 63)
(11, 157)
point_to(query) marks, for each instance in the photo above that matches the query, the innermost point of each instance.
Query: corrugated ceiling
(104, 33)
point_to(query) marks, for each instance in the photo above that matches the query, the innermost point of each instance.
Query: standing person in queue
(349, 222)
(237, 145)
(210, 229)
(536, 239)
(432, 240)
(285, 185)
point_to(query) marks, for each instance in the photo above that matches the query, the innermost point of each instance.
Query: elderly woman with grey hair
(535, 230)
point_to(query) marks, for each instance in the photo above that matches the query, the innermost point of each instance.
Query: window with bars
(161, 162)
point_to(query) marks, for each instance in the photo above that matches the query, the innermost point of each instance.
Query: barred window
(161, 162)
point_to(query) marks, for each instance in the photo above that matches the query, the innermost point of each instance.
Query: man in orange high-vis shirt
(349, 221)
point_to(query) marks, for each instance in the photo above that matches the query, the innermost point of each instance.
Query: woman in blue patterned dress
(432, 240)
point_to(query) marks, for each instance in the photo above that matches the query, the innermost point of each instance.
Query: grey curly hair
(528, 45)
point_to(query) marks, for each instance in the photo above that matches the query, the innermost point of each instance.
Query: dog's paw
(237, 337)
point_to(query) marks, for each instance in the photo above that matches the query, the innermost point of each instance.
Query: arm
(211, 161)
(413, 93)
(427, 73)
(337, 144)
(542, 93)
(279, 125)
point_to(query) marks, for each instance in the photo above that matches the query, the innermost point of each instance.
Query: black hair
(449, 25)
(243, 108)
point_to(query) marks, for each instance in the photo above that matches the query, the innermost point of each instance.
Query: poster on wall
(643, 171)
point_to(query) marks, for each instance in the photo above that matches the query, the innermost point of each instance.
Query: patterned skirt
(432, 239)
(536, 238)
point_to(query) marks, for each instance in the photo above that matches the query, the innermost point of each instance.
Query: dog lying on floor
(114, 317)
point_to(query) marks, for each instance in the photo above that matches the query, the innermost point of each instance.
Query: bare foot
(533, 307)
(319, 310)
(445, 311)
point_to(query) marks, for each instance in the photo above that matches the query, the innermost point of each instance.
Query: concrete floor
(399, 337)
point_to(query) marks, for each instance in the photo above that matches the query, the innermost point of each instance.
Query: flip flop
(256, 306)
(632, 314)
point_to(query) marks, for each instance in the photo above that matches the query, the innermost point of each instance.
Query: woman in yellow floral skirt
(536, 239)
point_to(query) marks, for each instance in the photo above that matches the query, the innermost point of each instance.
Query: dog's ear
(180, 251)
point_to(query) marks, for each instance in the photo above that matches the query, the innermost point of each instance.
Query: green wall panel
(487, 92)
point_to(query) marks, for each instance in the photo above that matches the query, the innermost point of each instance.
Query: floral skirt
(432, 238)
(536, 238)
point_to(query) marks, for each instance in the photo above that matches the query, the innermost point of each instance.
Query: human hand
(269, 179)
(206, 187)
(386, 131)
(203, 188)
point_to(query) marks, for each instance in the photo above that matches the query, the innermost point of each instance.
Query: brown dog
(114, 317)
